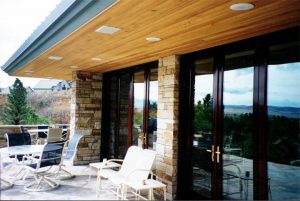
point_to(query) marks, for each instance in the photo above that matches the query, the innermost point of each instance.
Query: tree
(203, 115)
(33, 118)
(16, 109)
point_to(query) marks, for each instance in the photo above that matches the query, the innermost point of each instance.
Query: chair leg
(37, 184)
(5, 184)
(98, 185)
(63, 174)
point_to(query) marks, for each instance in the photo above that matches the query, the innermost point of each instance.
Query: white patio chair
(4, 183)
(69, 155)
(54, 135)
(39, 167)
(135, 168)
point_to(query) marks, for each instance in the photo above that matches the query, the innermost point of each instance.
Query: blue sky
(283, 86)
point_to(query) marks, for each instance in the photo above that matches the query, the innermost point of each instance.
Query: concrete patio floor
(78, 188)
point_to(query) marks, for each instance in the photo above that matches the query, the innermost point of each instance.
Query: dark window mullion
(217, 124)
(117, 120)
(130, 110)
(146, 108)
(260, 178)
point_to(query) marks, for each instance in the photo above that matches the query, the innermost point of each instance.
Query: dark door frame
(186, 103)
(146, 68)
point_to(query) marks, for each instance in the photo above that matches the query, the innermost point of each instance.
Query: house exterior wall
(167, 123)
(86, 106)
(86, 113)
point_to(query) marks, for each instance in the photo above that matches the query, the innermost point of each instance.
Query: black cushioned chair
(51, 156)
(17, 139)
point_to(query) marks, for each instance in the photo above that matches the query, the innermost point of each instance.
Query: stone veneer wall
(167, 128)
(86, 103)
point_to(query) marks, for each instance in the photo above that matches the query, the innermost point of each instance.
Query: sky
(283, 86)
(18, 19)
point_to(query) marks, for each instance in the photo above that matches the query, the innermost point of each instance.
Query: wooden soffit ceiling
(183, 26)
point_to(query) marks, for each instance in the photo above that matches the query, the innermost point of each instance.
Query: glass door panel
(124, 86)
(152, 119)
(237, 126)
(113, 104)
(283, 159)
(138, 108)
(202, 135)
(119, 97)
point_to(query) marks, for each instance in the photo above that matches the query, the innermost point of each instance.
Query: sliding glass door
(202, 135)
(240, 120)
(238, 126)
(130, 105)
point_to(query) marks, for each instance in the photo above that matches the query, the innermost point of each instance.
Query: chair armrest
(115, 160)
(108, 161)
(139, 170)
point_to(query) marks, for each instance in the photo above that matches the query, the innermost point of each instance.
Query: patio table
(18, 150)
(21, 150)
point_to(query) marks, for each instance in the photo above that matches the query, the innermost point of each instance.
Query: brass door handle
(218, 154)
(212, 152)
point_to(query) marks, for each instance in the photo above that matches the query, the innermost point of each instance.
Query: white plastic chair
(71, 149)
(136, 168)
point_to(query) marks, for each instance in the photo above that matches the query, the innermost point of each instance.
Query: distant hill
(290, 112)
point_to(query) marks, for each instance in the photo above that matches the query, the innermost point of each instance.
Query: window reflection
(202, 136)
(284, 129)
(238, 126)
(138, 103)
(153, 97)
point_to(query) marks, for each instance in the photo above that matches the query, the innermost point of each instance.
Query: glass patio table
(17, 150)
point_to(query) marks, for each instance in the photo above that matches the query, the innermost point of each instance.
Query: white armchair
(135, 168)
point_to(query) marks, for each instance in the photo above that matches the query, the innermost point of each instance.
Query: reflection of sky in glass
(203, 86)
(153, 96)
(284, 85)
(238, 87)
(139, 92)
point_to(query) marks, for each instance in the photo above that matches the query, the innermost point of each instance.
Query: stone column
(86, 107)
(167, 127)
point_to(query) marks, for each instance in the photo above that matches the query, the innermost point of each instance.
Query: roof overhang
(183, 26)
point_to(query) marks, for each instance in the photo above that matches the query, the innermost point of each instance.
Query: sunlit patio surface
(78, 188)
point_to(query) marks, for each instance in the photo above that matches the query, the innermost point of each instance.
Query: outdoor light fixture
(74, 67)
(107, 30)
(241, 6)
(153, 39)
(56, 58)
(29, 71)
(96, 59)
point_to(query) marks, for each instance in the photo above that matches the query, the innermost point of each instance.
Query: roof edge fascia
(68, 16)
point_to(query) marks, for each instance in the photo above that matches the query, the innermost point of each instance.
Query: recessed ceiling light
(107, 30)
(49, 77)
(56, 58)
(74, 67)
(241, 6)
(96, 59)
(153, 39)
(29, 71)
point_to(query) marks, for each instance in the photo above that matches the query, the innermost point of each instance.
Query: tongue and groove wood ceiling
(183, 26)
